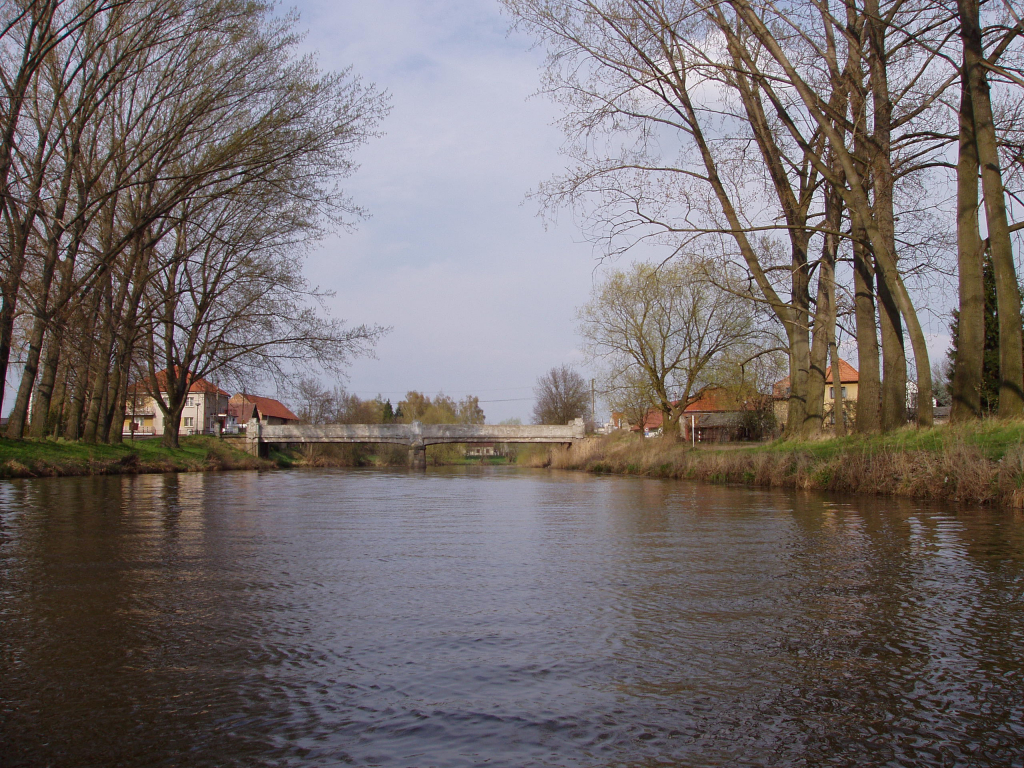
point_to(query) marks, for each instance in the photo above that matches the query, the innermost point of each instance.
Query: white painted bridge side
(416, 435)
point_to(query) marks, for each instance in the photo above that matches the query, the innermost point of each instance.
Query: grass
(48, 458)
(980, 463)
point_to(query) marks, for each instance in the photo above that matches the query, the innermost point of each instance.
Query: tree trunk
(1011, 359)
(172, 423)
(111, 403)
(41, 416)
(838, 410)
(970, 348)
(73, 430)
(815, 415)
(59, 405)
(894, 360)
(799, 364)
(19, 413)
(894, 354)
(8, 308)
(101, 353)
(827, 296)
(84, 370)
(869, 390)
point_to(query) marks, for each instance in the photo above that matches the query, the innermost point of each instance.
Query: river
(502, 618)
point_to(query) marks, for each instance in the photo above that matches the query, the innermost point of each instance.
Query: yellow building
(848, 382)
(206, 407)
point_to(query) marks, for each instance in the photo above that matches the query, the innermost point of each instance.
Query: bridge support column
(417, 456)
(253, 433)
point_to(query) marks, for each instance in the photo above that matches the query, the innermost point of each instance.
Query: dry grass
(952, 464)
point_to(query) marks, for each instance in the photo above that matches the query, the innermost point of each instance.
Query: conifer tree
(990, 368)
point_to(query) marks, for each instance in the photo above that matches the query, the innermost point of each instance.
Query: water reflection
(501, 618)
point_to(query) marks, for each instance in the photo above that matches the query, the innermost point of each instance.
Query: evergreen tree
(990, 368)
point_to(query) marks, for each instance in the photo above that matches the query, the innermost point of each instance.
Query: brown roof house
(715, 417)
(848, 382)
(205, 411)
(244, 407)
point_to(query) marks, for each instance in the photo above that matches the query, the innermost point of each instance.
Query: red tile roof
(196, 384)
(714, 401)
(847, 375)
(717, 400)
(267, 407)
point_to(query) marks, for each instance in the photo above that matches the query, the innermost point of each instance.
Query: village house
(716, 417)
(483, 450)
(243, 407)
(205, 411)
(848, 383)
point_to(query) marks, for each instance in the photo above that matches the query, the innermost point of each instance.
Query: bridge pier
(253, 439)
(417, 456)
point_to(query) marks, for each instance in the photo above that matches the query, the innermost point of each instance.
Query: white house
(205, 412)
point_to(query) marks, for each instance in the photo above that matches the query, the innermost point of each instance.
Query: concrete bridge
(416, 435)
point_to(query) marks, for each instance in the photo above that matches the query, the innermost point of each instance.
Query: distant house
(849, 381)
(616, 422)
(244, 407)
(483, 450)
(715, 417)
(652, 424)
(205, 410)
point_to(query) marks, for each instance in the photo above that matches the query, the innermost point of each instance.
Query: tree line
(163, 166)
(828, 156)
(316, 404)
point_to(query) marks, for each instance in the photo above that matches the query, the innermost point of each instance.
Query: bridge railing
(417, 433)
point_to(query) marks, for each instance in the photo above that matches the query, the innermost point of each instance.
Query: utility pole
(593, 405)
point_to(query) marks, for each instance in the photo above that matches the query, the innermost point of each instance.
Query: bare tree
(167, 164)
(671, 328)
(561, 395)
(697, 124)
(628, 390)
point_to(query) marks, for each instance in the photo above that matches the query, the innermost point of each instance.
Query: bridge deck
(417, 434)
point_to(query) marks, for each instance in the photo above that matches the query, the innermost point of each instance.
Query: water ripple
(501, 618)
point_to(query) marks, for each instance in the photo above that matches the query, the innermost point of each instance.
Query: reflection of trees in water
(792, 627)
(124, 637)
(894, 644)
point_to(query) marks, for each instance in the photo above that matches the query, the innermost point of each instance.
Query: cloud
(480, 295)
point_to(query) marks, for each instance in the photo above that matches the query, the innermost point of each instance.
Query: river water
(501, 618)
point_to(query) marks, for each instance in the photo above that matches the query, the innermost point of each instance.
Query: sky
(479, 294)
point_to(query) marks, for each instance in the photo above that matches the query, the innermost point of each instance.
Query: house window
(188, 421)
(188, 401)
(832, 392)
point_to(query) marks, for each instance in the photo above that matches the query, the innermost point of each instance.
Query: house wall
(850, 387)
(198, 416)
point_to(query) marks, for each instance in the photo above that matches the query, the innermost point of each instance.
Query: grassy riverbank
(49, 458)
(980, 463)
